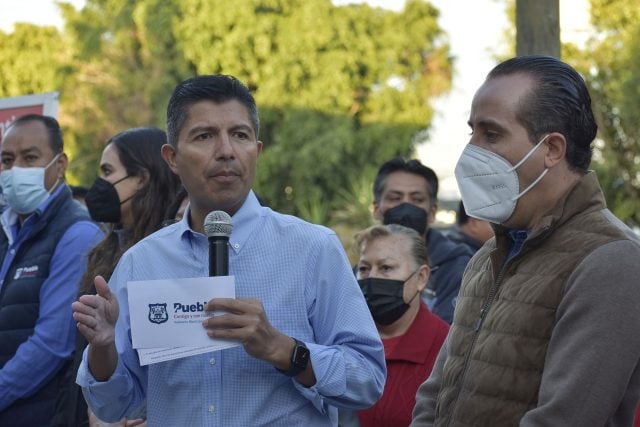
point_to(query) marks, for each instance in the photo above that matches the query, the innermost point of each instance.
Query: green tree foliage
(611, 64)
(124, 63)
(30, 60)
(340, 89)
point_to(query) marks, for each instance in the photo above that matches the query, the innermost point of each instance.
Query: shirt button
(236, 245)
(212, 361)
(12, 251)
(212, 408)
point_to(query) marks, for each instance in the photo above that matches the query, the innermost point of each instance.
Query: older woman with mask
(392, 272)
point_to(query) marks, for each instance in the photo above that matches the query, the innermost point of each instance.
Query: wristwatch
(299, 359)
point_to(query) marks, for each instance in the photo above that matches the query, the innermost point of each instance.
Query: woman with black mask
(131, 197)
(392, 272)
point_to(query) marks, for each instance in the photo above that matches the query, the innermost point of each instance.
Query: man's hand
(245, 321)
(96, 315)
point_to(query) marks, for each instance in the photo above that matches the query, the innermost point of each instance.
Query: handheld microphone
(217, 227)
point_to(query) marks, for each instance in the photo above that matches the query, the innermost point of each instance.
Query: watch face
(301, 356)
(299, 359)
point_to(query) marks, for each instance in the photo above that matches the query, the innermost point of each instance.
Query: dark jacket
(458, 236)
(20, 302)
(447, 260)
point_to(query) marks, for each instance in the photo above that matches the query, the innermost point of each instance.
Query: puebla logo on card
(158, 313)
(166, 314)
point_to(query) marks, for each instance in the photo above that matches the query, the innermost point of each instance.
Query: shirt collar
(518, 238)
(244, 221)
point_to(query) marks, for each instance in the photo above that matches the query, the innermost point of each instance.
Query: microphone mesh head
(218, 224)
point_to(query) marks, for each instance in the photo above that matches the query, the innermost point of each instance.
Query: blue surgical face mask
(23, 188)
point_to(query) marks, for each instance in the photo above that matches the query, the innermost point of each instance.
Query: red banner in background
(12, 108)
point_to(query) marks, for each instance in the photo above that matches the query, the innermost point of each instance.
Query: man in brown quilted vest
(546, 330)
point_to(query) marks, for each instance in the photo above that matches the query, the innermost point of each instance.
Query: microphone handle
(218, 256)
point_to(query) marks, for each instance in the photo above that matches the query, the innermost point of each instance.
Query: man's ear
(431, 214)
(62, 162)
(169, 155)
(557, 149)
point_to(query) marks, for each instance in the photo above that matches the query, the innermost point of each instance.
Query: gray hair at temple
(418, 248)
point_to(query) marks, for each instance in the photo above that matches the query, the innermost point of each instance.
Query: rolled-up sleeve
(348, 356)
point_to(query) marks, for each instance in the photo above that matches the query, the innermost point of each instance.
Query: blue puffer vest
(20, 295)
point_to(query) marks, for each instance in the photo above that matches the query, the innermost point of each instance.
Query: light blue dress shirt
(53, 339)
(301, 274)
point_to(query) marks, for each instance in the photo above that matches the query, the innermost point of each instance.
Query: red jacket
(408, 366)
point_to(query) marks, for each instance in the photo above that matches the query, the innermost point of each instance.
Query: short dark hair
(217, 88)
(559, 102)
(53, 129)
(411, 166)
(461, 215)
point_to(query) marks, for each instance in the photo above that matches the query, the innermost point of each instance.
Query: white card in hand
(168, 313)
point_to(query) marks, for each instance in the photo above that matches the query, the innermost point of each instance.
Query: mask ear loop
(524, 159)
(407, 279)
(118, 182)
(52, 161)
(127, 199)
(531, 185)
(59, 180)
(411, 275)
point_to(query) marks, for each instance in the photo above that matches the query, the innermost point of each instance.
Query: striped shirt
(301, 274)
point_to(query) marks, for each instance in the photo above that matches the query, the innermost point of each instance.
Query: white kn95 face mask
(488, 183)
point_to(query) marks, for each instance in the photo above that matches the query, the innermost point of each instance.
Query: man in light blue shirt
(309, 344)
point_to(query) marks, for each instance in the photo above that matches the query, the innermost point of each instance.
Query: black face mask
(103, 202)
(384, 298)
(407, 215)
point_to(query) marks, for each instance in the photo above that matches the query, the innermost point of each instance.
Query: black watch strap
(299, 359)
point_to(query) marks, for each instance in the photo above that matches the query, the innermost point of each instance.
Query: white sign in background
(166, 316)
